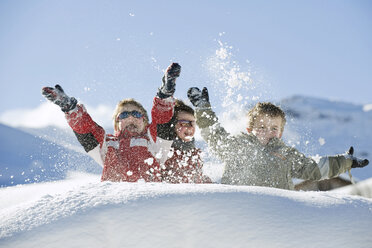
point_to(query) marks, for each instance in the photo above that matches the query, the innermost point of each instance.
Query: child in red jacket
(133, 152)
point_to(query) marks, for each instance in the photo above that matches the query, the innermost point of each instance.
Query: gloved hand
(58, 96)
(357, 163)
(168, 86)
(198, 98)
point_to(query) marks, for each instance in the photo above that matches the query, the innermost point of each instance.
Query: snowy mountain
(334, 121)
(25, 158)
(325, 127)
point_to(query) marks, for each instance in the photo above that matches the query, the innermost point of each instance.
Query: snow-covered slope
(337, 123)
(82, 212)
(325, 127)
(26, 158)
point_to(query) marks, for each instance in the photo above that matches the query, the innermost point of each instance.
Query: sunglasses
(186, 123)
(126, 114)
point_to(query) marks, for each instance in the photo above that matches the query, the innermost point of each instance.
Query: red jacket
(125, 157)
(185, 167)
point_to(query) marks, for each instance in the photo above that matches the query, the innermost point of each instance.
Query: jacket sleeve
(327, 167)
(161, 112)
(332, 166)
(218, 139)
(166, 130)
(90, 135)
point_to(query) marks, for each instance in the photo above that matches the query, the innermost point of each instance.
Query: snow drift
(82, 212)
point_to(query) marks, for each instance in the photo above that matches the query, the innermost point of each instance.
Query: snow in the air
(51, 194)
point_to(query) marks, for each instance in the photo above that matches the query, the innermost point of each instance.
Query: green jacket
(247, 162)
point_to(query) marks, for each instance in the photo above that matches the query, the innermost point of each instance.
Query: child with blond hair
(133, 152)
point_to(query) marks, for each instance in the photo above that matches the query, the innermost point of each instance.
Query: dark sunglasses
(186, 123)
(134, 113)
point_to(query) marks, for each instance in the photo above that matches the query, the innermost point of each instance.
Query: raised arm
(212, 132)
(57, 96)
(162, 110)
(326, 167)
(90, 135)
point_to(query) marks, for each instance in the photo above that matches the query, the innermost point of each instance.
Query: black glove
(58, 96)
(357, 163)
(168, 86)
(198, 98)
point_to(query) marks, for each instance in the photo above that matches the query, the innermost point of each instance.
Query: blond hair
(128, 101)
(268, 109)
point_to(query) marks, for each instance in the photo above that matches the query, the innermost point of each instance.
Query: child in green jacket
(259, 157)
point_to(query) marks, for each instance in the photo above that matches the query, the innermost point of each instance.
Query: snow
(321, 141)
(363, 188)
(83, 212)
(80, 211)
(77, 210)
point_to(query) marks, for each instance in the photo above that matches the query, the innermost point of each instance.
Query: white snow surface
(81, 211)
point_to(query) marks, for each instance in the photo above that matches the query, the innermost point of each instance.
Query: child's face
(132, 121)
(185, 126)
(265, 128)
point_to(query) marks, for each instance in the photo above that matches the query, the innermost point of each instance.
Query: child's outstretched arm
(162, 110)
(332, 166)
(89, 134)
(166, 130)
(221, 142)
(326, 167)
(57, 96)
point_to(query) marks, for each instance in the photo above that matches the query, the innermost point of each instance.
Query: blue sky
(104, 51)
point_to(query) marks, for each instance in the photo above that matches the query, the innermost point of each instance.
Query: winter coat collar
(273, 144)
(182, 145)
(125, 134)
